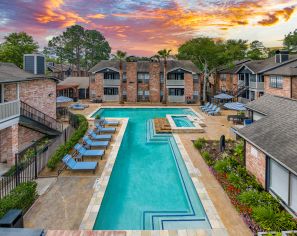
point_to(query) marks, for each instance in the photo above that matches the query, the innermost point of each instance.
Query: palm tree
(164, 55)
(121, 57)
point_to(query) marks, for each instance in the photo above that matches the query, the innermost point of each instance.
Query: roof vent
(34, 63)
(281, 56)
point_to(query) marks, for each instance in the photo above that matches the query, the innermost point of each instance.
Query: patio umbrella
(237, 106)
(63, 99)
(223, 96)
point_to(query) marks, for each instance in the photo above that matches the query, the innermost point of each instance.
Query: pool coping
(102, 182)
(197, 128)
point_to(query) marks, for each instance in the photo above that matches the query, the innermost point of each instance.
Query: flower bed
(260, 211)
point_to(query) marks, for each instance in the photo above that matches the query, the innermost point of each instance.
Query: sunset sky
(141, 27)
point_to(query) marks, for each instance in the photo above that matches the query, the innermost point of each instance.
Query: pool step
(152, 136)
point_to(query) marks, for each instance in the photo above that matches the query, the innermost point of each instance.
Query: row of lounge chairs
(211, 109)
(98, 138)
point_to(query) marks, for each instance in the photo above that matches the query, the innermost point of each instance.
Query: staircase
(34, 119)
(240, 91)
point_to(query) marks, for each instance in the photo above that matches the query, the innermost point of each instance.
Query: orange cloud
(96, 16)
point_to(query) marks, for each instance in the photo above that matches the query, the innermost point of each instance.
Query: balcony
(9, 110)
(176, 99)
(174, 83)
(111, 82)
(111, 98)
(257, 85)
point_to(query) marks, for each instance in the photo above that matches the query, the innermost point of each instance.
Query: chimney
(281, 56)
(34, 63)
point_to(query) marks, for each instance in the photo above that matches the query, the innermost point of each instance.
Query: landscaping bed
(259, 210)
(162, 125)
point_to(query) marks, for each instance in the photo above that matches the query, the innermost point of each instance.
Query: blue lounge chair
(99, 144)
(213, 108)
(102, 137)
(205, 106)
(77, 106)
(215, 112)
(79, 166)
(108, 122)
(83, 152)
(101, 129)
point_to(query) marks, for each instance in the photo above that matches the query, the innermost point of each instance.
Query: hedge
(22, 197)
(65, 149)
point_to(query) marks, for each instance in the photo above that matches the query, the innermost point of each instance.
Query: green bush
(222, 166)
(22, 197)
(235, 180)
(255, 198)
(271, 219)
(64, 149)
(208, 159)
(239, 152)
(199, 143)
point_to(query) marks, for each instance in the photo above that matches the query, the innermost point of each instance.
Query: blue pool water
(149, 187)
(182, 121)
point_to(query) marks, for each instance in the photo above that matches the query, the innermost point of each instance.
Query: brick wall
(154, 82)
(40, 94)
(189, 85)
(131, 81)
(10, 92)
(256, 163)
(96, 86)
(284, 92)
(14, 139)
(294, 87)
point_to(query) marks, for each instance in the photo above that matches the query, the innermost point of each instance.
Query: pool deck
(63, 206)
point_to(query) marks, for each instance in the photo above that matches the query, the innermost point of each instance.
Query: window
(279, 180)
(254, 152)
(196, 93)
(176, 76)
(223, 76)
(140, 92)
(143, 77)
(124, 77)
(276, 81)
(111, 91)
(176, 92)
(111, 75)
(146, 93)
(261, 78)
(293, 197)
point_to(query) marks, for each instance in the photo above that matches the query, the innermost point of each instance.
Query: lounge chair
(209, 107)
(101, 129)
(83, 152)
(77, 106)
(108, 122)
(213, 108)
(90, 143)
(102, 137)
(79, 166)
(215, 112)
(205, 106)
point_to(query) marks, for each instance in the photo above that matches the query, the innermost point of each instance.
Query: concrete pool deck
(54, 217)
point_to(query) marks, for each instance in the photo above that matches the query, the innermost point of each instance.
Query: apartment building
(27, 110)
(143, 81)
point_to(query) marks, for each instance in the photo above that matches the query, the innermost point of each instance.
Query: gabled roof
(143, 66)
(289, 69)
(81, 82)
(275, 134)
(9, 72)
(227, 69)
(261, 66)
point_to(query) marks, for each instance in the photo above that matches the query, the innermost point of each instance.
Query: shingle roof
(143, 66)
(232, 69)
(9, 72)
(261, 66)
(276, 133)
(81, 82)
(289, 69)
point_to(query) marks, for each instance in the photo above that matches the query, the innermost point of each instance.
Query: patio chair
(99, 144)
(206, 105)
(102, 137)
(77, 106)
(213, 108)
(83, 152)
(108, 122)
(79, 166)
(101, 129)
(215, 112)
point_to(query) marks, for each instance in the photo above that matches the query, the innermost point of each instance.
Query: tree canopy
(257, 51)
(15, 46)
(290, 41)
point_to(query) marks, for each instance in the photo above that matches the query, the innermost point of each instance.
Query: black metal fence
(31, 161)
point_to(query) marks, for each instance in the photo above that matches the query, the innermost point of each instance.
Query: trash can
(12, 219)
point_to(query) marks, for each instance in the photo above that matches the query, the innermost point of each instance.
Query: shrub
(222, 166)
(199, 143)
(22, 197)
(64, 149)
(270, 219)
(239, 152)
(235, 180)
(256, 198)
(208, 159)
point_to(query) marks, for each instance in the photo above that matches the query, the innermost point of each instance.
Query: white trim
(110, 68)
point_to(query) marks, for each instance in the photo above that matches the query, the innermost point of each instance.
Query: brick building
(27, 110)
(143, 81)
(271, 147)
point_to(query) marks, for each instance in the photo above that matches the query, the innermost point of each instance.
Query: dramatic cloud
(142, 27)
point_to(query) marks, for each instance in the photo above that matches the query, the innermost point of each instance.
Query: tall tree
(15, 46)
(206, 54)
(164, 55)
(235, 49)
(257, 51)
(290, 41)
(96, 48)
(121, 57)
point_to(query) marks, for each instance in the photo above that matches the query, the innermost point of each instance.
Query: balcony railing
(257, 85)
(111, 82)
(9, 110)
(175, 82)
(176, 99)
(111, 98)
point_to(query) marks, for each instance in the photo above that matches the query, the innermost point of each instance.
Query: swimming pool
(182, 121)
(149, 188)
